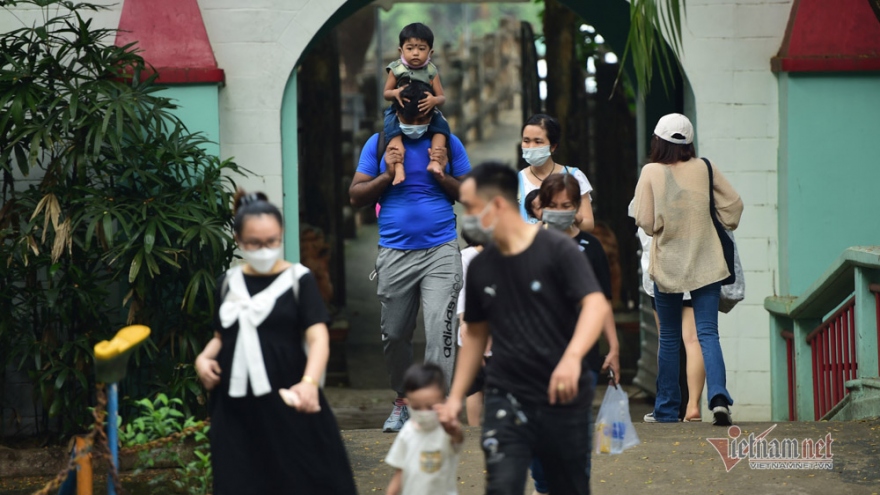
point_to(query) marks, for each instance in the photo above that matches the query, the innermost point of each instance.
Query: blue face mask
(413, 131)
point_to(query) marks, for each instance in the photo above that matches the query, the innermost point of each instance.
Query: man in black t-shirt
(537, 295)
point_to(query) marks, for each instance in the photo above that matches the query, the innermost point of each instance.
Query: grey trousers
(405, 278)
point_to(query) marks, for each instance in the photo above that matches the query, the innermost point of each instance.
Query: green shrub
(112, 213)
(160, 419)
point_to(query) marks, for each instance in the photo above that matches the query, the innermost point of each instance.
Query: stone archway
(609, 18)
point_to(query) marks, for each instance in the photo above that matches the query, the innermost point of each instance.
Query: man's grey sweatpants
(405, 277)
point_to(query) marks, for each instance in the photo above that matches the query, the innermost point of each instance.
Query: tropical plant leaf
(112, 165)
(655, 29)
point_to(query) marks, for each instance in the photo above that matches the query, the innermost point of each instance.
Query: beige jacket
(672, 206)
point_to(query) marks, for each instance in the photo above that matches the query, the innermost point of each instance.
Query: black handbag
(726, 241)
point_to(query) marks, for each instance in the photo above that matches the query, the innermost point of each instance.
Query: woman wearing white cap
(672, 206)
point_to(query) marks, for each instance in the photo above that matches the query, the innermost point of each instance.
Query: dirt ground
(672, 458)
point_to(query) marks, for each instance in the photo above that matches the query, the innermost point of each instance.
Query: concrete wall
(199, 110)
(258, 44)
(727, 50)
(828, 169)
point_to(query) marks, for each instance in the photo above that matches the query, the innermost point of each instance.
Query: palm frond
(655, 29)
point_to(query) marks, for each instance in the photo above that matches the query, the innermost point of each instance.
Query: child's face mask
(427, 421)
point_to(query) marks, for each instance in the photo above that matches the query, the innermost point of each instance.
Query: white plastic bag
(735, 292)
(614, 431)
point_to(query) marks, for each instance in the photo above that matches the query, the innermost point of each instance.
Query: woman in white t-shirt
(540, 137)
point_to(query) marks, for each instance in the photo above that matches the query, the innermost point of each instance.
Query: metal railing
(824, 342)
(875, 288)
(833, 348)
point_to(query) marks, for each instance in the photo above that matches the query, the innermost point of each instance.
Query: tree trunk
(616, 178)
(565, 82)
(531, 97)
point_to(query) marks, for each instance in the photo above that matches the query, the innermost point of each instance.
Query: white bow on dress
(250, 312)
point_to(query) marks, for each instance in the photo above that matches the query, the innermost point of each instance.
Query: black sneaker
(720, 411)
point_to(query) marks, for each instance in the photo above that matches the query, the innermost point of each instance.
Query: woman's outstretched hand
(308, 397)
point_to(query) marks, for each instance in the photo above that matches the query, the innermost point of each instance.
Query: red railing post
(826, 368)
(838, 362)
(814, 350)
(819, 375)
(844, 356)
(847, 358)
(792, 375)
(833, 349)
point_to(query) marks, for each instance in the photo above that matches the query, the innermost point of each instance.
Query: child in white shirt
(425, 455)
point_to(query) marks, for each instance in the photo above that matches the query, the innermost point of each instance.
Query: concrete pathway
(673, 458)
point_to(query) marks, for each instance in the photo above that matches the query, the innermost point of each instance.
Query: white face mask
(427, 421)
(536, 156)
(413, 131)
(262, 260)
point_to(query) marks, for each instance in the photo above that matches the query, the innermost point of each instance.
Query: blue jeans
(705, 300)
(538, 476)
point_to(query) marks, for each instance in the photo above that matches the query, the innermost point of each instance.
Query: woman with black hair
(272, 430)
(540, 137)
(559, 201)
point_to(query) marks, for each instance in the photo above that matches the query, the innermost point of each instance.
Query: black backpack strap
(380, 147)
(449, 151)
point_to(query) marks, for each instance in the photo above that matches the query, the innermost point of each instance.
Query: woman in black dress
(269, 309)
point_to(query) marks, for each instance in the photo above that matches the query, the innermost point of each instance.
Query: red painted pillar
(172, 39)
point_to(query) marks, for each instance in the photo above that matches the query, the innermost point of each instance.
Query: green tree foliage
(453, 22)
(654, 31)
(112, 213)
(653, 40)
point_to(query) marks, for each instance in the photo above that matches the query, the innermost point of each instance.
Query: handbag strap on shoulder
(711, 189)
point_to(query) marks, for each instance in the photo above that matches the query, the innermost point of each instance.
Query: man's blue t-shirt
(417, 213)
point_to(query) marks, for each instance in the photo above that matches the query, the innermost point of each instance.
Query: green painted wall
(290, 169)
(199, 109)
(829, 171)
